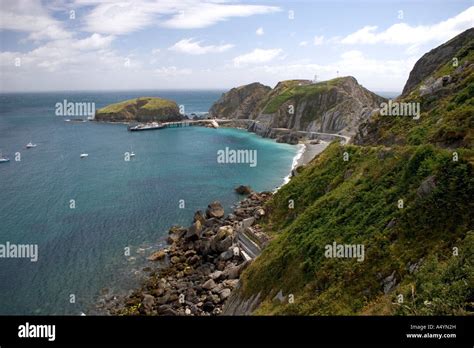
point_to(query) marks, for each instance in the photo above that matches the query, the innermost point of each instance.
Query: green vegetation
(447, 118)
(353, 202)
(296, 90)
(423, 250)
(147, 103)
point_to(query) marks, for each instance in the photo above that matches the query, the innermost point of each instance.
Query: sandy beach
(310, 151)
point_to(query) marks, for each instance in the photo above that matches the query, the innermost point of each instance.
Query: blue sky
(193, 44)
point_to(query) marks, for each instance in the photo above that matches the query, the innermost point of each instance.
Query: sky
(217, 44)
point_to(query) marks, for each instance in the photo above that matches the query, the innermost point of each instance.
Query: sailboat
(3, 159)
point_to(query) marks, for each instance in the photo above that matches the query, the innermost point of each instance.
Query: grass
(353, 202)
(291, 90)
(147, 103)
(447, 118)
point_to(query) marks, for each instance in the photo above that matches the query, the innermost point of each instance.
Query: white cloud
(125, 17)
(170, 71)
(404, 34)
(189, 46)
(318, 40)
(258, 55)
(93, 42)
(388, 75)
(155, 51)
(30, 17)
(303, 43)
(67, 55)
(201, 14)
(259, 31)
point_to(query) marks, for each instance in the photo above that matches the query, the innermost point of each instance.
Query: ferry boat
(84, 155)
(146, 126)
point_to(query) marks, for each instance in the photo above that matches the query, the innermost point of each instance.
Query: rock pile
(202, 265)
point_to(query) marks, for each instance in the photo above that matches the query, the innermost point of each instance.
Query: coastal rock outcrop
(440, 86)
(240, 102)
(437, 57)
(297, 106)
(205, 263)
(145, 109)
(427, 161)
(243, 190)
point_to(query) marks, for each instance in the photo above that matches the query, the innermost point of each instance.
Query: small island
(143, 109)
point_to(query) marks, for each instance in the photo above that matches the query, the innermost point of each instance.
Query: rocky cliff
(397, 207)
(443, 89)
(145, 109)
(436, 58)
(240, 103)
(334, 106)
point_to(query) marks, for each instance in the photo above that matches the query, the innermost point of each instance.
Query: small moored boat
(3, 159)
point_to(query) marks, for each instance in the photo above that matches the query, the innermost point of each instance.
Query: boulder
(226, 255)
(203, 246)
(259, 212)
(175, 234)
(199, 216)
(215, 210)
(194, 259)
(389, 283)
(231, 283)
(223, 245)
(224, 293)
(216, 275)
(167, 310)
(243, 190)
(148, 302)
(175, 259)
(157, 256)
(233, 272)
(427, 186)
(223, 239)
(246, 223)
(194, 231)
(209, 284)
(208, 306)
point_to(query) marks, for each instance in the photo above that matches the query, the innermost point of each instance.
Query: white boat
(132, 154)
(30, 145)
(84, 155)
(3, 159)
(146, 126)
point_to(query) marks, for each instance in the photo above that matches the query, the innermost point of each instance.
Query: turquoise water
(119, 204)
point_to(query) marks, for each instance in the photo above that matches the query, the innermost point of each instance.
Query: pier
(176, 124)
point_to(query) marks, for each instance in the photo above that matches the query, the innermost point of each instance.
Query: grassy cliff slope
(403, 191)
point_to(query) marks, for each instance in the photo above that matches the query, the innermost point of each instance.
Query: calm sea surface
(118, 204)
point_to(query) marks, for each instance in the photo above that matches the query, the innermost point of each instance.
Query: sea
(95, 220)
